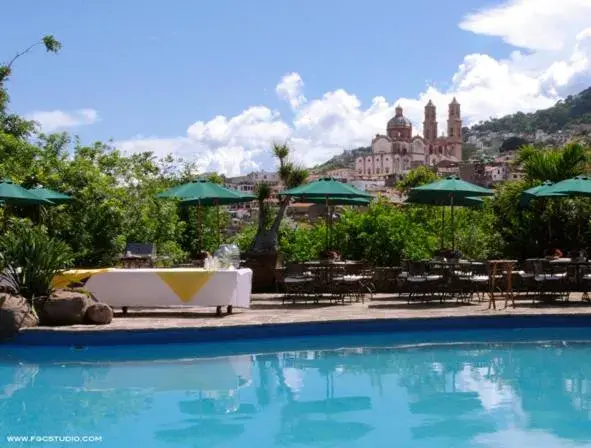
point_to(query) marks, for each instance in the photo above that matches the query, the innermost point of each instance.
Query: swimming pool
(424, 389)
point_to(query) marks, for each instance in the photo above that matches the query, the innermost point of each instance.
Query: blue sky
(150, 70)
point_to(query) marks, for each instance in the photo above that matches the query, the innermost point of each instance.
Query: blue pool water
(448, 389)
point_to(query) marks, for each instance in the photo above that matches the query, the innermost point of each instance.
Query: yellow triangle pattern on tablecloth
(185, 284)
(74, 276)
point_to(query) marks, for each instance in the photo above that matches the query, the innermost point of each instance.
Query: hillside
(344, 160)
(569, 113)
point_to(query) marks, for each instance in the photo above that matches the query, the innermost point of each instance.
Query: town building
(398, 151)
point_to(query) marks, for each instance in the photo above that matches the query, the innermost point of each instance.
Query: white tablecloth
(163, 287)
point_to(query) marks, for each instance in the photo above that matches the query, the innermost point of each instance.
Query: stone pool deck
(268, 309)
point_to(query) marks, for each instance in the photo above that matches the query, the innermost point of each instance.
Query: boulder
(15, 313)
(65, 307)
(99, 314)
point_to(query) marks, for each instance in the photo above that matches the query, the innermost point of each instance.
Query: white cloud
(230, 146)
(290, 89)
(545, 25)
(56, 120)
(552, 59)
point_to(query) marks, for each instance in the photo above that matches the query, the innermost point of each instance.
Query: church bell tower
(430, 123)
(454, 122)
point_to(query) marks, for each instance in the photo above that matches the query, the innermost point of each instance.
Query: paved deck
(268, 309)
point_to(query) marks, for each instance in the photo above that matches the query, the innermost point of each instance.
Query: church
(399, 151)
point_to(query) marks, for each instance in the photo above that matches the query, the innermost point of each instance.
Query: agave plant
(30, 259)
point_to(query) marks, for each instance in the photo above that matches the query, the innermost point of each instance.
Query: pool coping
(249, 332)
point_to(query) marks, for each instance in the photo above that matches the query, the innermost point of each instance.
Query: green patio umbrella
(576, 186)
(326, 188)
(203, 193)
(537, 192)
(50, 195)
(335, 201)
(415, 199)
(13, 194)
(330, 192)
(450, 191)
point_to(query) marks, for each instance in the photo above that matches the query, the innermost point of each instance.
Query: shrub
(31, 259)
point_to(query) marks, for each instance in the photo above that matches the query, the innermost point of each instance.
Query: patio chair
(295, 281)
(551, 280)
(421, 283)
(584, 281)
(138, 255)
(524, 282)
(357, 281)
(478, 279)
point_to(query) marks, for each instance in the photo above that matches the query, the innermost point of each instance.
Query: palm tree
(553, 164)
(267, 236)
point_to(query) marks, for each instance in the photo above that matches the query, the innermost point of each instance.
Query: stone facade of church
(399, 151)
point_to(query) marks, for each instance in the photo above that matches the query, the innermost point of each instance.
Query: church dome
(399, 120)
(396, 122)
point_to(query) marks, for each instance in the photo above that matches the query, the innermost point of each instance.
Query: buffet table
(162, 287)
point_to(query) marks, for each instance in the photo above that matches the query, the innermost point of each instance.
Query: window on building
(387, 170)
(369, 171)
(377, 171)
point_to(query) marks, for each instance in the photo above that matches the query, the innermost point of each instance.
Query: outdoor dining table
(124, 288)
(500, 268)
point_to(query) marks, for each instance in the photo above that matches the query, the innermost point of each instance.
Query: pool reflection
(417, 396)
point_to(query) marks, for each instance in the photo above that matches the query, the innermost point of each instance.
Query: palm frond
(296, 177)
(281, 151)
(263, 191)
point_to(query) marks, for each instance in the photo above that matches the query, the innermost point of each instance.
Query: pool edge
(69, 337)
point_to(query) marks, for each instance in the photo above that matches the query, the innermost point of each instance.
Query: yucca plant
(31, 259)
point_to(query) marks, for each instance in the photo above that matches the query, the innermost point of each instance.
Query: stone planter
(263, 270)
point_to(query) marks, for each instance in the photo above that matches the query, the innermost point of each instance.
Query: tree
(552, 164)
(290, 175)
(215, 178)
(513, 144)
(12, 124)
(415, 178)
(468, 151)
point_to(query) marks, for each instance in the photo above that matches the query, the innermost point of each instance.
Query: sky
(219, 81)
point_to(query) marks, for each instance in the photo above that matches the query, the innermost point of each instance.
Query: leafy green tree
(552, 164)
(267, 237)
(513, 144)
(415, 178)
(12, 124)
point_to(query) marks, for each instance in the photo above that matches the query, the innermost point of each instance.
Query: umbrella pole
(218, 218)
(443, 227)
(327, 225)
(5, 219)
(331, 226)
(200, 226)
(453, 230)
